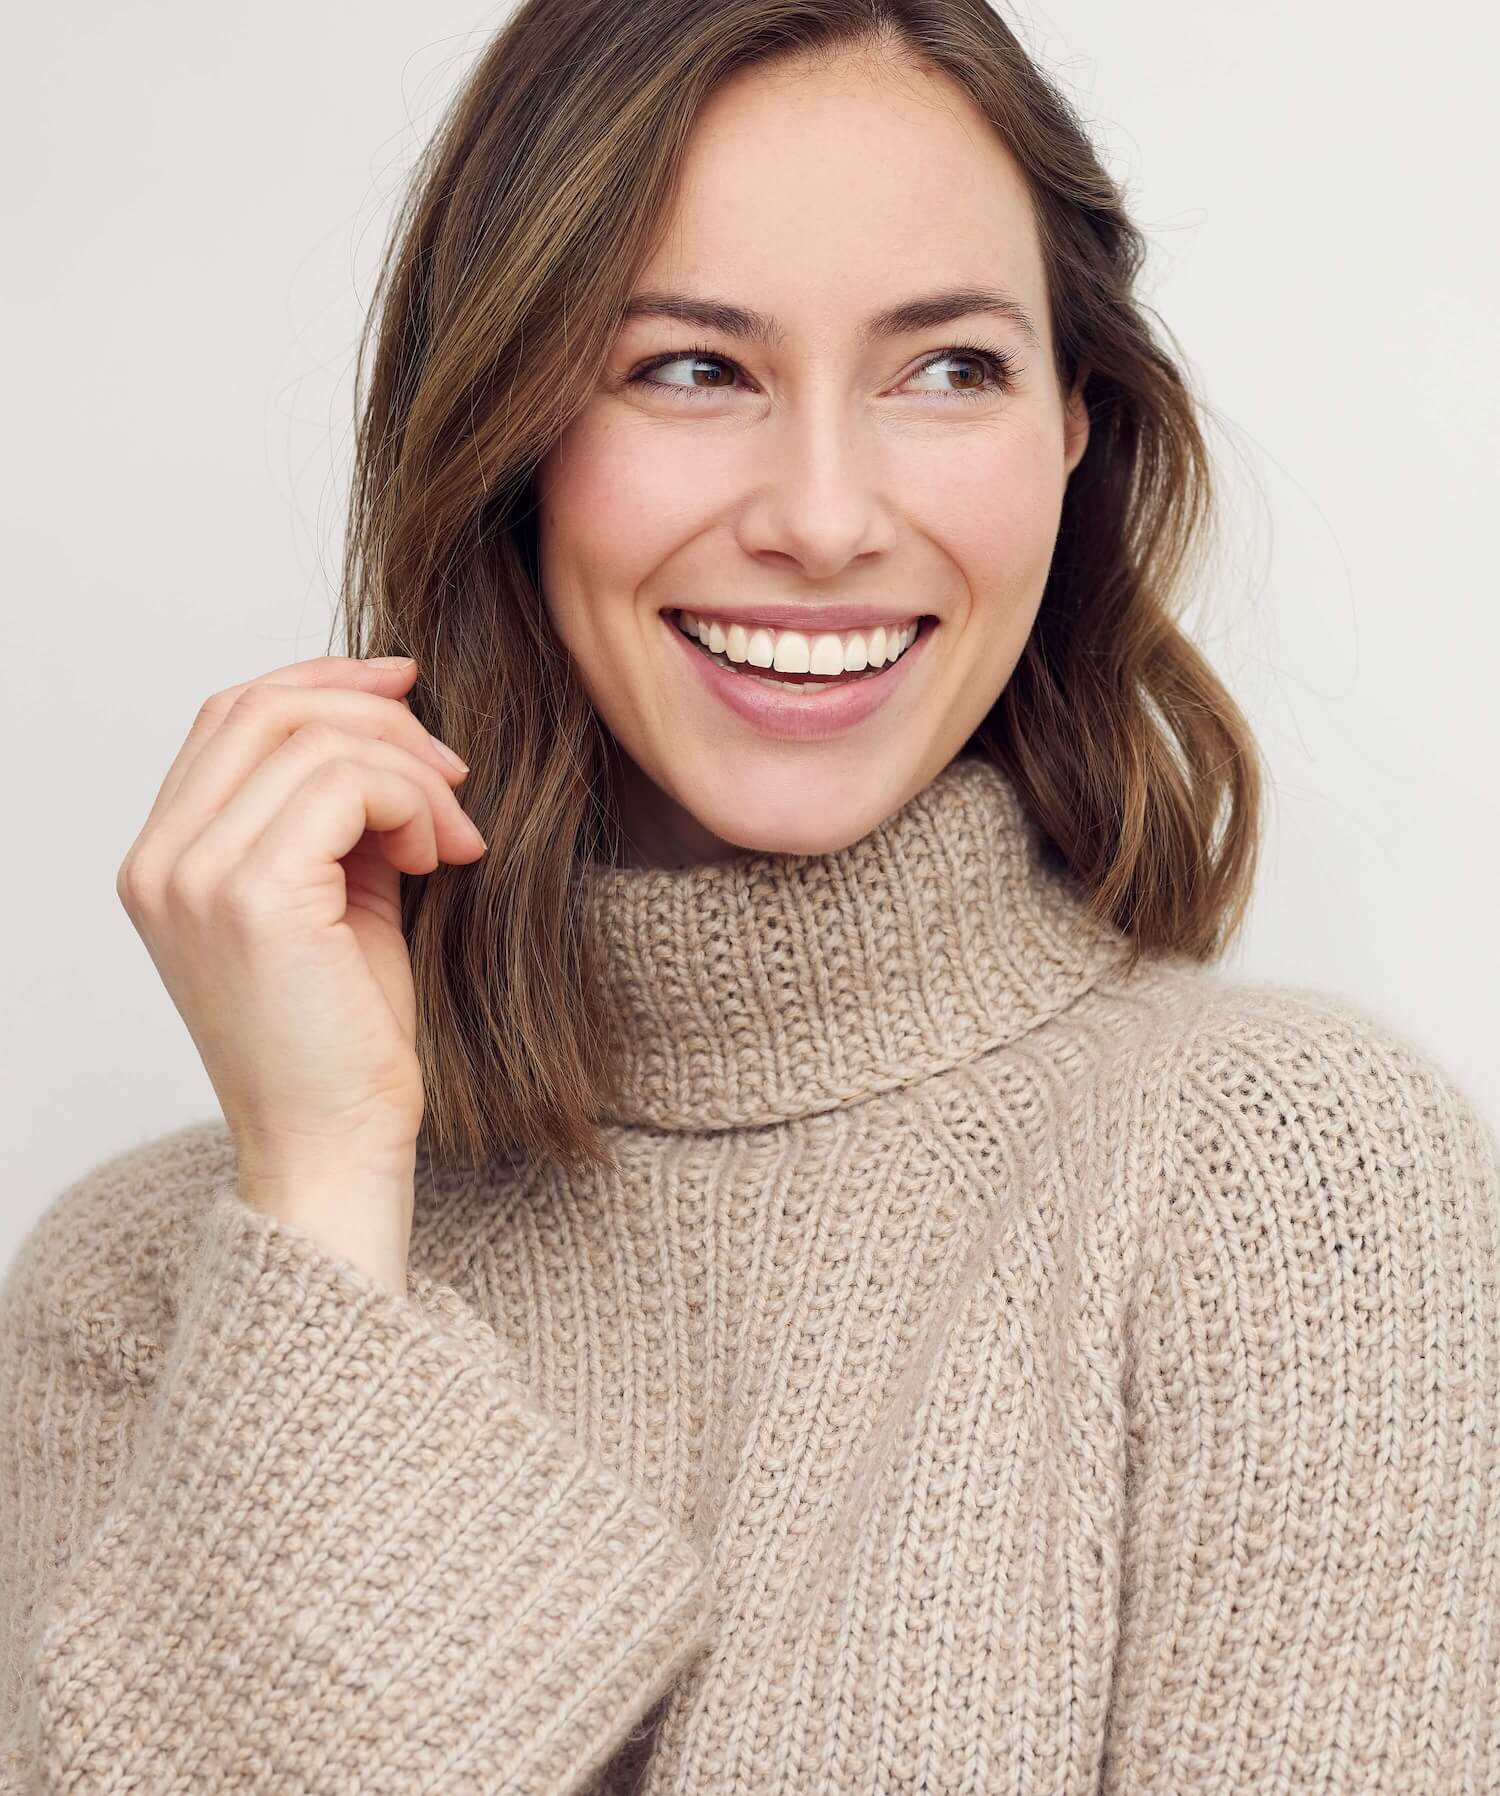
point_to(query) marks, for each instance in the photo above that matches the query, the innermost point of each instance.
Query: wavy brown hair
(500, 293)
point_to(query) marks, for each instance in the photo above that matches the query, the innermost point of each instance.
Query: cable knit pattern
(987, 1373)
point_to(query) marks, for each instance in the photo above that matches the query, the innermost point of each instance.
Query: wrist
(363, 1221)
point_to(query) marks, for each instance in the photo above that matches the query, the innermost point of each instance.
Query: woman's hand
(265, 884)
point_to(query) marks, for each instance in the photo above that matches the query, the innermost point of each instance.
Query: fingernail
(448, 755)
(392, 660)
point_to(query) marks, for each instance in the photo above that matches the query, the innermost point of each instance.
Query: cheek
(993, 508)
(622, 496)
(603, 525)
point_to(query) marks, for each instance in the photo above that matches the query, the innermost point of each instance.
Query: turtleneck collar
(771, 986)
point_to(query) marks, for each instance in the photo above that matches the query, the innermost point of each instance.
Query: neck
(764, 987)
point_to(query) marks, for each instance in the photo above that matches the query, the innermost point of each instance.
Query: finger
(261, 719)
(332, 672)
(321, 821)
(230, 836)
(292, 871)
(259, 722)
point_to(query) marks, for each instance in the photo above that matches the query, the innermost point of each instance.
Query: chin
(806, 818)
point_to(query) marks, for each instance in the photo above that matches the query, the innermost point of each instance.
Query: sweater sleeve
(341, 1551)
(1310, 1596)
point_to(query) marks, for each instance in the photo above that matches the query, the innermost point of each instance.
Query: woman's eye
(648, 376)
(988, 372)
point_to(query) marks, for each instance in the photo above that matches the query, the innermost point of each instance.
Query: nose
(819, 497)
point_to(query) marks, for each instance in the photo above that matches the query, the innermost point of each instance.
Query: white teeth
(791, 651)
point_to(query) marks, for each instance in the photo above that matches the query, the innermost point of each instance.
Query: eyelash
(1001, 368)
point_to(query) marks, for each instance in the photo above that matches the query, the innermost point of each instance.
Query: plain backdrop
(195, 200)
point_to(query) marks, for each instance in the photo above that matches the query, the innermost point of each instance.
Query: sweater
(989, 1372)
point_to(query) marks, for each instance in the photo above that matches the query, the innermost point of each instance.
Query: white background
(195, 199)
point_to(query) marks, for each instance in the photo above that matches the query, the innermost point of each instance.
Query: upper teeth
(789, 651)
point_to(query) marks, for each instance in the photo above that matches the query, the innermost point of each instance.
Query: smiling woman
(820, 324)
(869, 1310)
(839, 462)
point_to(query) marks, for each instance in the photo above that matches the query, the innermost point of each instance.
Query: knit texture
(989, 1373)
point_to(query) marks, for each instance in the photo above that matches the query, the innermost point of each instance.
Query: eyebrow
(923, 312)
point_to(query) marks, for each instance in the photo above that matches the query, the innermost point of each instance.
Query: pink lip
(798, 715)
(807, 618)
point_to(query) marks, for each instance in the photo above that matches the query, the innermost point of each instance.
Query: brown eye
(645, 375)
(995, 370)
(992, 371)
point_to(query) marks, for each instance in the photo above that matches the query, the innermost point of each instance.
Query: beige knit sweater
(989, 1374)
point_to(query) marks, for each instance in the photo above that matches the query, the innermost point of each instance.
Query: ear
(1076, 422)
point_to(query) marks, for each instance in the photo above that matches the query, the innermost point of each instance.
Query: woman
(790, 1271)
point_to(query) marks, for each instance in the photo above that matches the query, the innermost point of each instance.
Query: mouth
(804, 681)
(800, 706)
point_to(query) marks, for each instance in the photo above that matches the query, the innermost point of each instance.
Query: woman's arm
(318, 1541)
(1311, 1566)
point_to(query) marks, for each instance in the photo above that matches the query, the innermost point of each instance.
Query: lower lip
(796, 712)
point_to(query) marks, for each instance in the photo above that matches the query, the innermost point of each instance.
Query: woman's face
(859, 465)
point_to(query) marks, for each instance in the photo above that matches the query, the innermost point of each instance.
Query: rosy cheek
(990, 510)
(601, 507)
(679, 477)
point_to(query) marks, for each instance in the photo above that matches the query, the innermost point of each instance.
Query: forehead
(816, 191)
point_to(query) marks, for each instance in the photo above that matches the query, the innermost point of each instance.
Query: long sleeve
(1310, 1594)
(326, 1546)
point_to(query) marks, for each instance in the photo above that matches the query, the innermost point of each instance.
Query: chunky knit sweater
(988, 1373)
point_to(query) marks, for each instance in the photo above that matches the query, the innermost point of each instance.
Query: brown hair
(498, 300)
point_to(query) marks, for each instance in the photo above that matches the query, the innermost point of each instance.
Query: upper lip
(836, 618)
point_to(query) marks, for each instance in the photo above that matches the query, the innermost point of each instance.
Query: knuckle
(257, 700)
(189, 884)
(139, 880)
(241, 899)
(214, 709)
(128, 886)
(338, 770)
(320, 738)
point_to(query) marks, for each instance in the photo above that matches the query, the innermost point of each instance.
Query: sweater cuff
(350, 1552)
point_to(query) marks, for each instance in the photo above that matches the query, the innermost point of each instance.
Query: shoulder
(1320, 1088)
(1319, 1166)
(96, 1272)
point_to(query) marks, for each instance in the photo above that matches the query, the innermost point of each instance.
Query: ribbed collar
(771, 986)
